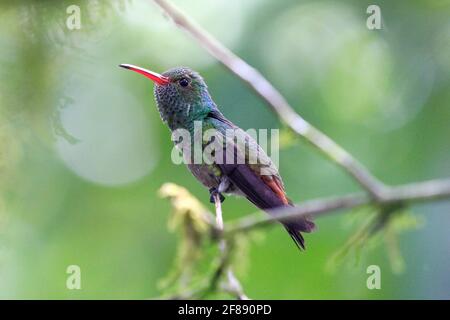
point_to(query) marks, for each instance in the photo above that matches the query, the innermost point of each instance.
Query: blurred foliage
(198, 259)
(83, 152)
(192, 220)
(373, 225)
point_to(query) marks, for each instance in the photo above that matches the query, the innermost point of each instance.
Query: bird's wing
(258, 180)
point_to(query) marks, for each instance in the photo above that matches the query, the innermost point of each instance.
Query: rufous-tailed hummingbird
(183, 99)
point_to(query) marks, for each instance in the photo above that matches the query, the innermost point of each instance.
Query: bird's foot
(213, 192)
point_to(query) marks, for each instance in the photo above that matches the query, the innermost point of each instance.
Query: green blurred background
(83, 151)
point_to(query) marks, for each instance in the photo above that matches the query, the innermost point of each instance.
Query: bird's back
(257, 178)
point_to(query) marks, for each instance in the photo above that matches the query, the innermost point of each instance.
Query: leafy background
(83, 151)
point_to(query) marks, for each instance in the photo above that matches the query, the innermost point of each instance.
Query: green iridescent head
(181, 95)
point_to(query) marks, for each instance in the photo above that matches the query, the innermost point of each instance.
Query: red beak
(155, 77)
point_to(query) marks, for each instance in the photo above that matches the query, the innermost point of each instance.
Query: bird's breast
(208, 174)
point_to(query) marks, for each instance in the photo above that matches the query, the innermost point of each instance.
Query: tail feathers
(294, 228)
(307, 225)
(297, 237)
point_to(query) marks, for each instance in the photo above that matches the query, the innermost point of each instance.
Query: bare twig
(232, 284)
(276, 101)
(219, 221)
(420, 191)
(312, 208)
(404, 194)
(234, 287)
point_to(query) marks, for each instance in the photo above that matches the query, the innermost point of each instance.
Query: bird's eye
(184, 82)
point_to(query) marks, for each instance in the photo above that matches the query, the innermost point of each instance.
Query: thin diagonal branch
(276, 101)
(405, 194)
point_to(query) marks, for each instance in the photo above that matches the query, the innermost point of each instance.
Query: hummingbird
(183, 99)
